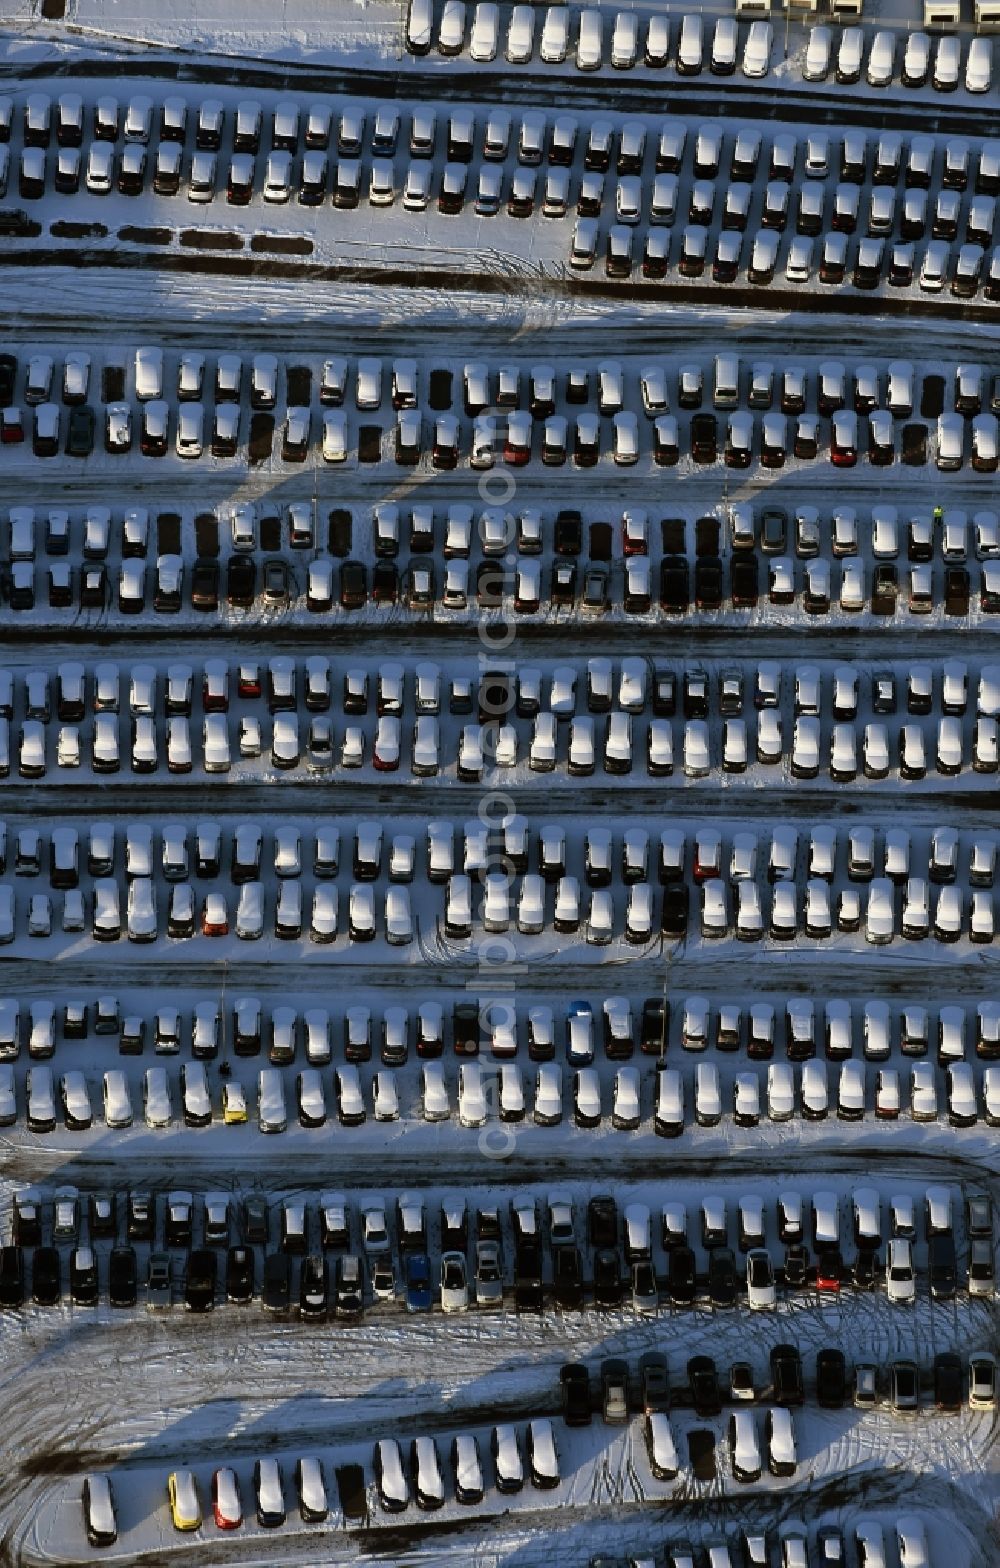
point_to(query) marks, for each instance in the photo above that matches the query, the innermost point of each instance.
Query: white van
(485, 30)
(589, 46)
(419, 26)
(690, 46)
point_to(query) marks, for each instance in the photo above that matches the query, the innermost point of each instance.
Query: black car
(704, 438)
(465, 1026)
(676, 900)
(205, 584)
(865, 1273)
(140, 1217)
(353, 1493)
(200, 1280)
(948, 1381)
(885, 589)
(602, 1221)
(83, 1282)
(786, 1375)
(123, 1277)
(353, 585)
(708, 586)
(255, 1219)
(563, 589)
(722, 1277)
(568, 533)
(314, 1287)
(94, 587)
(239, 1274)
(682, 1276)
(773, 530)
(567, 1278)
(241, 580)
(943, 1268)
(654, 1381)
(574, 1384)
(664, 693)
(703, 1381)
(956, 590)
(831, 1378)
(8, 376)
(11, 1276)
(675, 595)
(80, 431)
(385, 582)
(745, 577)
(277, 1289)
(695, 694)
(46, 1284)
(528, 1277)
(654, 1025)
(607, 1278)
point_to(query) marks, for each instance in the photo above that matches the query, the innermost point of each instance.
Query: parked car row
(529, 587)
(791, 1541)
(965, 271)
(522, 1217)
(593, 588)
(149, 376)
(517, 1453)
(76, 692)
(517, 1456)
(590, 40)
(664, 1099)
(758, 175)
(639, 915)
(220, 1218)
(903, 750)
(582, 1031)
(655, 1262)
(445, 442)
(686, 851)
(459, 532)
(650, 1389)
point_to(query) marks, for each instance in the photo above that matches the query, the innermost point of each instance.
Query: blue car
(418, 1282)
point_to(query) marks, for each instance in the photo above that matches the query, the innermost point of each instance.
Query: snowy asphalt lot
(136, 1393)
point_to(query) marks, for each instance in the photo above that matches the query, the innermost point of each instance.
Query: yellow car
(185, 1509)
(234, 1104)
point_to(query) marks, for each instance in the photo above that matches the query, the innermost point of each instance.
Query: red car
(829, 1266)
(844, 439)
(226, 1505)
(214, 919)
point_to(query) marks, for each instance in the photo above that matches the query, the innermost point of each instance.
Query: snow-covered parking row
(742, 587)
(248, 747)
(687, 43)
(673, 1100)
(586, 1030)
(461, 530)
(374, 150)
(328, 1128)
(810, 383)
(512, 413)
(907, 885)
(649, 1220)
(508, 1468)
(657, 1260)
(445, 442)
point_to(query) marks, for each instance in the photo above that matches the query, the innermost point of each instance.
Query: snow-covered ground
(894, 1039)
